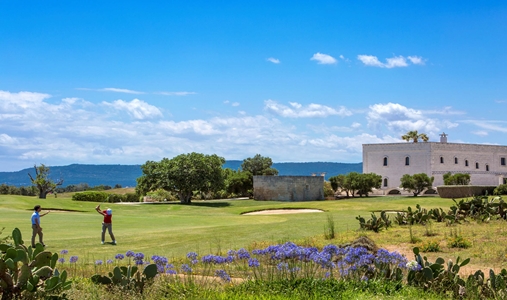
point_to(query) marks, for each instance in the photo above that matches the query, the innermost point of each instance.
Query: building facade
(486, 164)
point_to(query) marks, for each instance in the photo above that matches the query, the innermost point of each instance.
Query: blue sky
(110, 82)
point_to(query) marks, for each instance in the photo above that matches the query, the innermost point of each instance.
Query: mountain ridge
(125, 175)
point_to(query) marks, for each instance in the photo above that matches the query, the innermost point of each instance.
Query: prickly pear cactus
(128, 278)
(29, 269)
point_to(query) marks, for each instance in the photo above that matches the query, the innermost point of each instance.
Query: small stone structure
(288, 188)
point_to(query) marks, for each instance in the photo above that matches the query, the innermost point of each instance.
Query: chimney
(443, 138)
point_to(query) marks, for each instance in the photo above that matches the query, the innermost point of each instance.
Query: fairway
(172, 229)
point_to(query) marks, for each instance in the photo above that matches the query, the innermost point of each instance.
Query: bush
(90, 196)
(114, 198)
(459, 242)
(461, 191)
(430, 246)
(131, 197)
(500, 190)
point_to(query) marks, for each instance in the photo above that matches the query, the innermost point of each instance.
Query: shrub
(500, 190)
(90, 196)
(458, 241)
(131, 197)
(430, 246)
(114, 198)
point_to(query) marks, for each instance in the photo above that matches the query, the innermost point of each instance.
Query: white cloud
(393, 62)
(235, 104)
(499, 126)
(370, 60)
(136, 108)
(480, 132)
(116, 90)
(324, 59)
(297, 110)
(416, 60)
(175, 93)
(401, 119)
(21, 100)
(273, 60)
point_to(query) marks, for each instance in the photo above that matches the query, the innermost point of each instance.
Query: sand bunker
(282, 211)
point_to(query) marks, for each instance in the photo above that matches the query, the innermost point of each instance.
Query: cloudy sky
(110, 82)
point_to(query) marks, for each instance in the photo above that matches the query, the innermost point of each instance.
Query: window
(385, 161)
(441, 159)
(385, 182)
(455, 160)
(487, 167)
(407, 161)
(477, 165)
(502, 161)
(466, 162)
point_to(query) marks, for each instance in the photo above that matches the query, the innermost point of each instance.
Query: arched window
(441, 159)
(466, 162)
(407, 161)
(385, 161)
(385, 182)
(487, 167)
(455, 160)
(477, 165)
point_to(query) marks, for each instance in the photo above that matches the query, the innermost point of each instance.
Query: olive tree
(183, 175)
(42, 182)
(259, 165)
(416, 183)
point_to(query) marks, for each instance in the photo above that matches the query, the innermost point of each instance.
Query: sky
(125, 82)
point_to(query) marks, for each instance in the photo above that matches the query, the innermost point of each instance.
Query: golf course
(216, 227)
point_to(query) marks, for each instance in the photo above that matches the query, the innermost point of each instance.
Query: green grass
(173, 229)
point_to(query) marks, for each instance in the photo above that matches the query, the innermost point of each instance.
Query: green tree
(183, 175)
(259, 165)
(42, 181)
(367, 182)
(238, 183)
(456, 179)
(414, 136)
(338, 183)
(416, 183)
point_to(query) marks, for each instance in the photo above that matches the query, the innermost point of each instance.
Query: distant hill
(126, 175)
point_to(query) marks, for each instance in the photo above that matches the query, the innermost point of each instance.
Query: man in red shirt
(107, 224)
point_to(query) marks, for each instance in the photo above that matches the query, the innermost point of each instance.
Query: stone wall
(288, 188)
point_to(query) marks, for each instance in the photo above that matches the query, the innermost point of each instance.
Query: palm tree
(413, 135)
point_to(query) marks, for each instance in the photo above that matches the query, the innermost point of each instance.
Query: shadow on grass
(210, 204)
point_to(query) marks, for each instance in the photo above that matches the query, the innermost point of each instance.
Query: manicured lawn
(173, 230)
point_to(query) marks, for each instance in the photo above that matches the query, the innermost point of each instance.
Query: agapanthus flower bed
(283, 261)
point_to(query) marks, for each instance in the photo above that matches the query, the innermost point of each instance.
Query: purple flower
(109, 261)
(139, 256)
(192, 255)
(73, 259)
(98, 262)
(243, 254)
(223, 275)
(119, 256)
(63, 252)
(171, 272)
(130, 253)
(61, 260)
(186, 268)
(253, 263)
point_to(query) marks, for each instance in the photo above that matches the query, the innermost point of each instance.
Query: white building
(486, 164)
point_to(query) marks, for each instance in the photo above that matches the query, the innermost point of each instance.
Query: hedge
(91, 196)
(460, 191)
